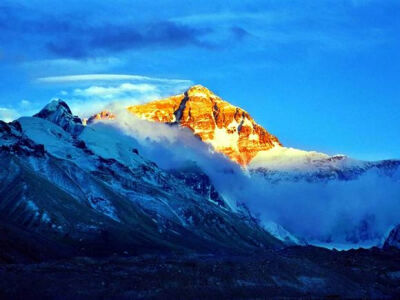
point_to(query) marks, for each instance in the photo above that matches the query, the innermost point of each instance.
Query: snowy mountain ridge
(106, 174)
(86, 192)
(232, 131)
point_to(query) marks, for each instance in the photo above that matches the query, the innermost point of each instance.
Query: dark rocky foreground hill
(291, 272)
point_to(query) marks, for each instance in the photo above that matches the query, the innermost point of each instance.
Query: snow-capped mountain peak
(77, 184)
(58, 112)
(229, 129)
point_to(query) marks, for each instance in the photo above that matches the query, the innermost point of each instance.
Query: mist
(353, 212)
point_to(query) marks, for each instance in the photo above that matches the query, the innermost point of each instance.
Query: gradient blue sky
(321, 75)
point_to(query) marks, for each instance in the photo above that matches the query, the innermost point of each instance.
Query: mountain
(107, 221)
(85, 193)
(58, 112)
(287, 164)
(232, 131)
(229, 129)
(110, 178)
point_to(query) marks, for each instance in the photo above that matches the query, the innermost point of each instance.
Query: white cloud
(112, 91)
(86, 106)
(95, 98)
(25, 102)
(107, 77)
(314, 211)
(88, 94)
(22, 108)
(8, 114)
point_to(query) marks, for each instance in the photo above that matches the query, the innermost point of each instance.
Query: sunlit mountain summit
(232, 131)
(229, 129)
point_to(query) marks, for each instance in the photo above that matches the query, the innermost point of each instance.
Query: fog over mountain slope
(86, 193)
(176, 181)
(320, 198)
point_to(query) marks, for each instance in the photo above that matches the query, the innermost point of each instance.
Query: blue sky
(321, 75)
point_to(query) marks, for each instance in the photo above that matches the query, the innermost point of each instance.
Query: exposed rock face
(229, 129)
(59, 113)
(193, 176)
(101, 116)
(63, 192)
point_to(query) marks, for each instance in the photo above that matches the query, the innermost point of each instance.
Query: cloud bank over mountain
(354, 212)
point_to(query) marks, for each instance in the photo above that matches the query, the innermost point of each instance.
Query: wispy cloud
(107, 77)
(38, 34)
(110, 92)
(95, 98)
(270, 17)
(24, 107)
(88, 94)
(302, 24)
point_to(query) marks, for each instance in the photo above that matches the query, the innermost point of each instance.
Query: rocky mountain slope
(283, 165)
(65, 183)
(233, 132)
(229, 129)
(70, 193)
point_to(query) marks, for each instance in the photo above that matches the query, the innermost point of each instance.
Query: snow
(108, 142)
(45, 218)
(345, 245)
(201, 94)
(104, 206)
(52, 106)
(232, 203)
(102, 139)
(254, 136)
(223, 138)
(283, 158)
(228, 137)
(56, 140)
(58, 112)
(281, 233)
(32, 206)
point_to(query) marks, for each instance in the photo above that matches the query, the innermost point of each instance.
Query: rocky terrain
(229, 129)
(291, 272)
(85, 194)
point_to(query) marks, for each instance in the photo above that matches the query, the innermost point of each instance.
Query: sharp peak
(59, 113)
(57, 104)
(198, 86)
(199, 90)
